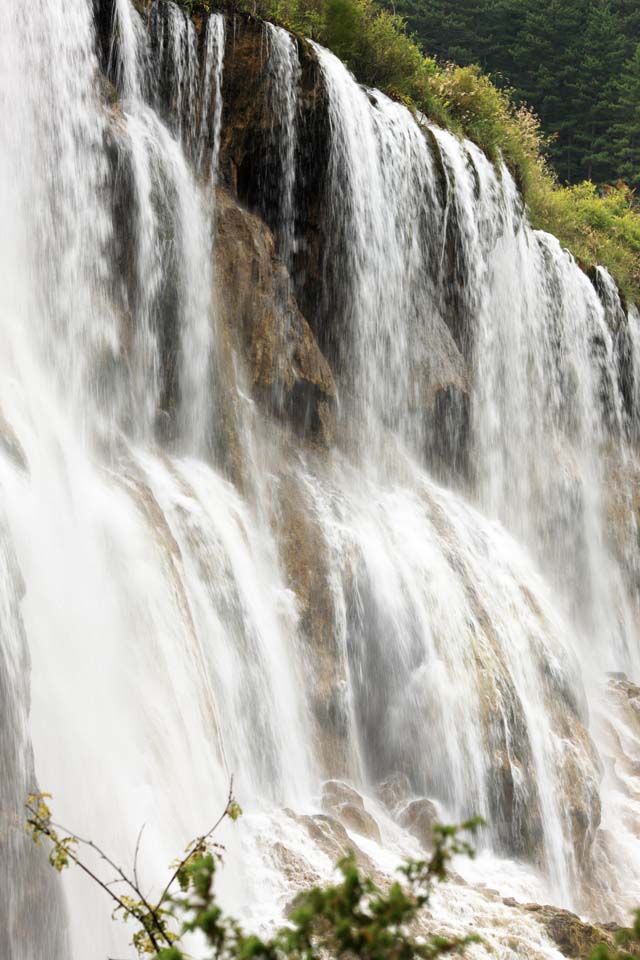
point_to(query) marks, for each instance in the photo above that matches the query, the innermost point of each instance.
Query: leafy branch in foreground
(351, 918)
(153, 920)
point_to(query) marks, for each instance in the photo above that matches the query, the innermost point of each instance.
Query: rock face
(282, 326)
(307, 566)
(394, 790)
(288, 372)
(248, 170)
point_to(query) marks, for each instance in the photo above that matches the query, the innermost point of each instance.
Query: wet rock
(419, 817)
(620, 726)
(513, 790)
(439, 400)
(289, 374)
(393, 790)
(573, 936)
(336, 791)
(347, 805)
(442, 394)
(623, 514)
(580, 775)
(293, 866)
(357, 818)
(627, 696)
(307, 566)
(248, 165)
(332, 838)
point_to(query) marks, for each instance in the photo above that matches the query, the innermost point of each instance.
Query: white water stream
(470, 635)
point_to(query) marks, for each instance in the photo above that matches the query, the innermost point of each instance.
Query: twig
(42, 825)
(46, 826)
(125, 879)
(135, 856)
(199, 842)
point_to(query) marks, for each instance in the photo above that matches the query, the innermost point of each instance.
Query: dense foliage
(577, 62)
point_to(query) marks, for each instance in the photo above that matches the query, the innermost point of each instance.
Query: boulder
(419, 817)
(332, 838)
(345, 803)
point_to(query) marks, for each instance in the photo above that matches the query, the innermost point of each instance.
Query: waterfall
(283, 67)
(381, 161)
(192, 589)
(211, 96)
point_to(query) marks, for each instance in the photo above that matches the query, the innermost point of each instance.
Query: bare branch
(132, 884)
(135, 856)
(201, 841)
(46, 826)
(46, 829)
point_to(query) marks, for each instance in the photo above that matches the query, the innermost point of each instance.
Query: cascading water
(461, 640)
(283, 66)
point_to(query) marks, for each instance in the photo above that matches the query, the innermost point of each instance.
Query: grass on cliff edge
(598, 225)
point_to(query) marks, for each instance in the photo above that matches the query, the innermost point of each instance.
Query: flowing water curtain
(46, 190)
(529, 319)
(383, 221)
(110, 618)
(283, 89)
(169, 297)
(212, 69)
(25, 877)
(175, 47)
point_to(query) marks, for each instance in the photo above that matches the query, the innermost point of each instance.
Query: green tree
(598, 92)
(626, 131)
(572, 60)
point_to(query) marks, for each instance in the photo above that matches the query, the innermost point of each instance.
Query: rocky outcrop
(287, 335)
(394, 790)
(249, 170)
(418, 815)
(574, 937)
(288, 373)
(330, 836)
